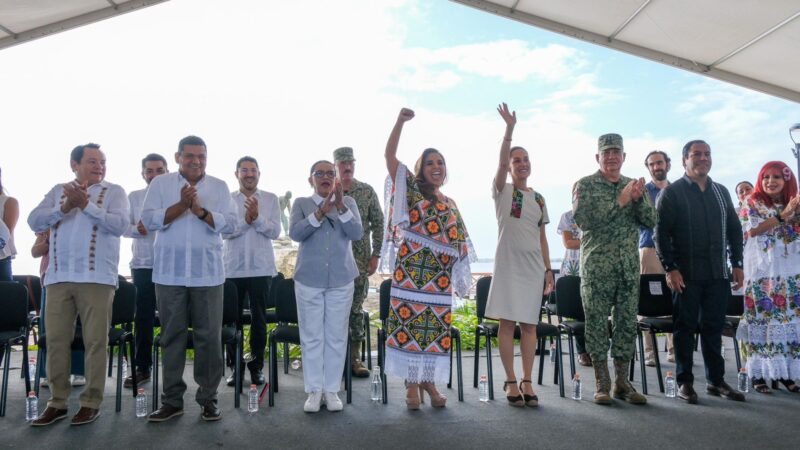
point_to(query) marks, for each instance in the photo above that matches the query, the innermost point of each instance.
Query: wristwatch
(204, 215)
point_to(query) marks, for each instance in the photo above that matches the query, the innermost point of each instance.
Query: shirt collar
(181, 178)
(689, 180)
(317, 199)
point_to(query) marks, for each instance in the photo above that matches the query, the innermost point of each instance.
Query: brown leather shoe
(85, 415)
(687, 393)
(723, 389)
(584, 359)
(49, 416)
(141, 378)
(164, 413)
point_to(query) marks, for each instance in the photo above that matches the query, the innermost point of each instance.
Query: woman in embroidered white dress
(428, 247)
(770, 326)
(521, 263)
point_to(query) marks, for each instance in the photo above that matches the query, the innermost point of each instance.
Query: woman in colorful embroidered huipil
(427, 245)
(770, 326)
(521, 264)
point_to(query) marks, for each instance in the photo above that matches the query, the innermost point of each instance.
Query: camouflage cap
(343, 154)
(610, 140)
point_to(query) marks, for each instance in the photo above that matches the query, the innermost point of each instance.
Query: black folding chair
(13, 331)
(569, 309)
(490, 330)
(120, 335)
(231, 335)
(655, 307)
(733, 316)
(34, 285)
(288, 332)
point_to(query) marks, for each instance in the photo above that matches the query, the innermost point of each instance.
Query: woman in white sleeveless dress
(521, 263)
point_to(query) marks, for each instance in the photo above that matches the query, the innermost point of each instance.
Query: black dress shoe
(257, 377)
(141, 377)
(164, 413)
(687, 393)
(724, 390)
(211, 412)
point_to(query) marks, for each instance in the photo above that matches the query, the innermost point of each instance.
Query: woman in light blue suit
(325, 225)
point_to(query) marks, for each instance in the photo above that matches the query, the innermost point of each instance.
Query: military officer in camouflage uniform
(366, 256)
(610, 208)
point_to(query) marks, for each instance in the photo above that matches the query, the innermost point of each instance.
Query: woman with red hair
(770, 326)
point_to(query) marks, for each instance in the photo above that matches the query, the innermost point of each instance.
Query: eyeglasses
(324, 174)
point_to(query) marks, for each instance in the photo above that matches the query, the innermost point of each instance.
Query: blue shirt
(646, 234)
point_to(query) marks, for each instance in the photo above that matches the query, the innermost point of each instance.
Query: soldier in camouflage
(366, 255)
(610, 208)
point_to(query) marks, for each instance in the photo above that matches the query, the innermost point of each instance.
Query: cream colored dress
(518, 279)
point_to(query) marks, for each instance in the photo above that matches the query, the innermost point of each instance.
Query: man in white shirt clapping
(189, 210)
(153, 165)
(85, 218)
(249, 258)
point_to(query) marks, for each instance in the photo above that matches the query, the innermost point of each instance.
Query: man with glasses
(189, 210)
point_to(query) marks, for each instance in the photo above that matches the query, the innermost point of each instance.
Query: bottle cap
(252, 386)
(577, 376)
(140, 390)
(31, 393)
(669, 373)
(743, 370)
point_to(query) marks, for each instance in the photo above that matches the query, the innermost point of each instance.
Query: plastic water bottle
(141, 403)
(483, 389)
(722, 351)
(553, 352)
(669, 386)
(124, 368)
(377, 385)
(252, 399)
(296, 364)
(577, 391)
(31, 406)
(744, 381)
(32, 369)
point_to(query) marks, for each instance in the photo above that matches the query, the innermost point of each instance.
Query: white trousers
(324, 318)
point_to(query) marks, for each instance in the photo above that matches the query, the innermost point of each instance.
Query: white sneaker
(43, 382)
(77, 380)
(332, 402)
(313, 402)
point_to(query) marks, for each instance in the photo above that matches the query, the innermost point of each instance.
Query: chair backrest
(385, 298)
(34, 285)
(735, 305)
(271, 302)
(568, 298)
(14, 306)
(482, 295)
(285, 302)
(655, 298)
(230, 303)
(123, 310)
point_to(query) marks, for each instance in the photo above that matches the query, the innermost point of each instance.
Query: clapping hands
(251, 209)
(632, 192)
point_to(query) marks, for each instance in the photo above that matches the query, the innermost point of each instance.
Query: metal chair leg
(571, 355)
(658, 362)
(736, 352)
(560, 367)
(369, 342)
(459, 375)
(120, 356)
(640, 341)
(237, 368)
(541, 345)
(348, 375)
(490, 377)
(4, 393)
(476, 359)
(155, 376)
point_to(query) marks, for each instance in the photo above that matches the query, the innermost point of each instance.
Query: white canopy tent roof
(25, 20)
(751, 43)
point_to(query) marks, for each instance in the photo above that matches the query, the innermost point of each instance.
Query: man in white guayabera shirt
(188, 211)
(153, 165)
(249, 259)
(86, 218)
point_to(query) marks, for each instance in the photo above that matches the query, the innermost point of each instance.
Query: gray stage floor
(764, 421)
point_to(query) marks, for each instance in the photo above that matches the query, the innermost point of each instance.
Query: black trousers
(256, 289)
(145, 318)
(700, 308)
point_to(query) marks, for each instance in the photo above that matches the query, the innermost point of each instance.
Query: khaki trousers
(65, 302)
(650, 264)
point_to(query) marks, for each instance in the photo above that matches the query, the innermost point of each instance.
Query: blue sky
(289, 82)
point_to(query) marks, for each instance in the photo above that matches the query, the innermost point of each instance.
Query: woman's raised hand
(510, 117)
(405, 115)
